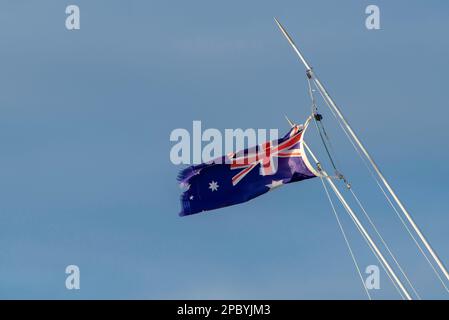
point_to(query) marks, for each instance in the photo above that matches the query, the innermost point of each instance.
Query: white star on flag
(213, 186)
(275, 184)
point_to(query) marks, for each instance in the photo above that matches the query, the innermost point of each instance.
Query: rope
(383, 242)
(320, 127)
(386, 196)
(326, 142)
(374, 253)
(345, 237)
(377, 257)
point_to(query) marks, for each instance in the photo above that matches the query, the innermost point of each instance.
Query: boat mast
(360, 227)
(311, 75)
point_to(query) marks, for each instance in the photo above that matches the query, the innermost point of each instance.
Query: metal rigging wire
(374, 177)
(328, 147)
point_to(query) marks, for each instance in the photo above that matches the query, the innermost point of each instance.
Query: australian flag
(242, 176)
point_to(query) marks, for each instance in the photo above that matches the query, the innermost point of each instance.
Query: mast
(311, 75)
(359, 226)
(366, 235)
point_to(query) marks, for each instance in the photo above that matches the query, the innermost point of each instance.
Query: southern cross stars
(213, 186)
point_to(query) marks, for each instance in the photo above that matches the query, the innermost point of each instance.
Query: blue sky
(85, 121)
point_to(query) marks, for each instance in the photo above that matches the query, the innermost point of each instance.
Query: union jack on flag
(242, 176)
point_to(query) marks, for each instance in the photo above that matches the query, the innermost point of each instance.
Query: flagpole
(366, 235)
(337, 110)
(359, 225)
